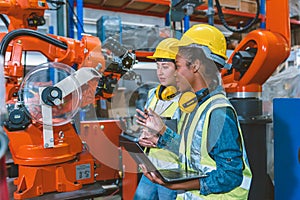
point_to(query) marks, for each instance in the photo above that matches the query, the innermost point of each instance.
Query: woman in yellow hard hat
(165, 59)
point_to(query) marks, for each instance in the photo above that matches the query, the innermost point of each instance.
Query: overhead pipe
(262, 10)
(70, 32)
(79, 19)
(210, 12)
(186, 23)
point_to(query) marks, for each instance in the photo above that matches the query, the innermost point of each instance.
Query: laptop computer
(167, 175)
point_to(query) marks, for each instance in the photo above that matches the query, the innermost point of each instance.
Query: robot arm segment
(54, 95)
(84, 53)
(262, 51)
(24, 13)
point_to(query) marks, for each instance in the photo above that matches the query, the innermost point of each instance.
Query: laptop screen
(167, 175)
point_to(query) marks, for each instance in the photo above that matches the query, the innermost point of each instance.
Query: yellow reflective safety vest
(161, 158)
(202, 160)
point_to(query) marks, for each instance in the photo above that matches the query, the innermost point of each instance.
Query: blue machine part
(70, 19)
(286, 115)
(79, 8)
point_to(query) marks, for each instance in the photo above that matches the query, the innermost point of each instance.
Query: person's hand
(186, 185)
(151, 120)
(147, 139)
(155, 179)
(152, 176)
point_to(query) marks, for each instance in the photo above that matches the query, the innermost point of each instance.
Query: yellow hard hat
(165, 49)
(205, 35)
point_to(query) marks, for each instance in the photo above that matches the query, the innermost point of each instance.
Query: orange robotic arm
(253, 62)
(50, 149)
(259, 53)
(47, 150)
(84, 53)
(24, 13)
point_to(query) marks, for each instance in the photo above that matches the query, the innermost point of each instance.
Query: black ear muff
(189, 100)
(165, 93)
(159, 90)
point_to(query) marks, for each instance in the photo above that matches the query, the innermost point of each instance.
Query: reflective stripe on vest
(246, 183)
(206, 162)
(183, 129)
(162, 158)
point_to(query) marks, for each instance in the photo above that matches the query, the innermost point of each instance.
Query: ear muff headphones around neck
(166, 93)
(189, 100)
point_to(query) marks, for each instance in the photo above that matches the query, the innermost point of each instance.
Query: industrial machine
(48, 150)
(3, 138)
(43, 139)
(259, 53)
(253, 62)
(43, 142)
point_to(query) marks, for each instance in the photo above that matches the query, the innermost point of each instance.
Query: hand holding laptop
(151, 175)
(175, 175)
(193, 184)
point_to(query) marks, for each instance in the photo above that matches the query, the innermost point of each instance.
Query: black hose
(27, 32)
(4, 20)
(243, 29)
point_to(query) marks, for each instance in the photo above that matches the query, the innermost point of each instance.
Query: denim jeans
(147, 190)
